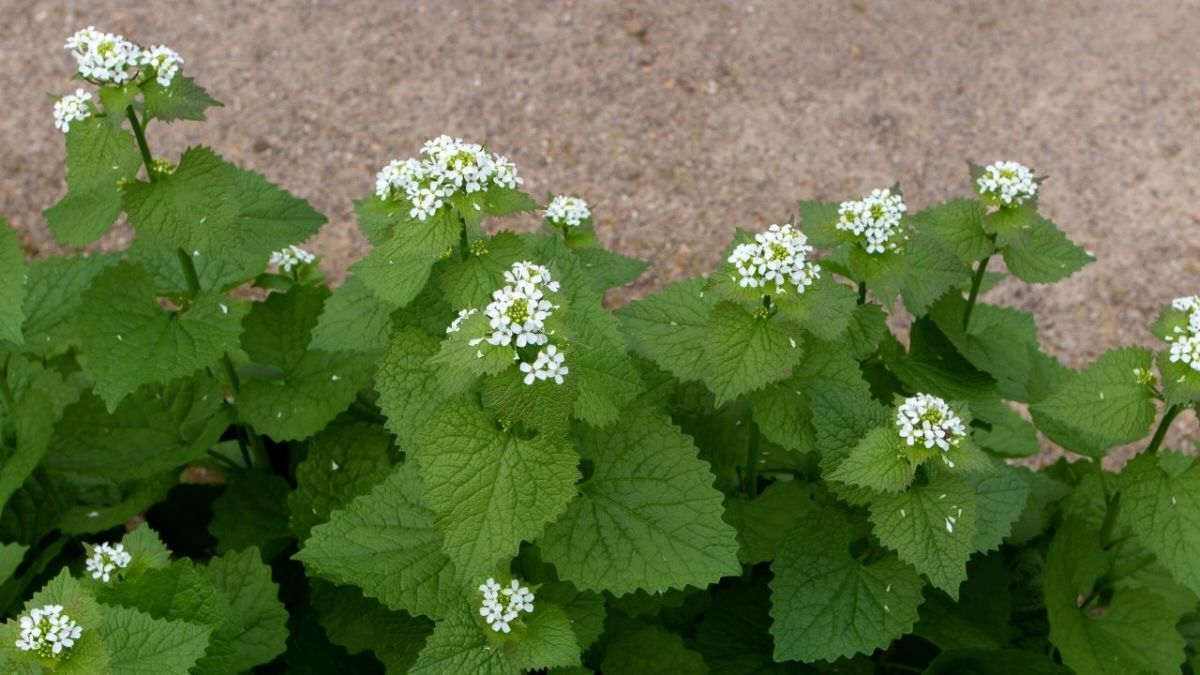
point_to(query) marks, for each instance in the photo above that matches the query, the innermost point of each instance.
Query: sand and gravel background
(680, 121)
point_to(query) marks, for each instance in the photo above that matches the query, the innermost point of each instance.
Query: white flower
(107, 558)
(1185, 342)
(47, 632)
(876, 218)
(290, 257)
(446, 166)
(72, 108)
(1008, 183)
(104, 58)
(518, 311)
(499, 614)
(776, 256)
(165, 63)
(463, 315)
(570, 211)
(927, 420)
(547, 366)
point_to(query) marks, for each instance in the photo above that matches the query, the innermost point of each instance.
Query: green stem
(140, 134)
(752, 453)
(189, 271)
(976, 281)
(1161, 433)
(464, 242)
(862, 292)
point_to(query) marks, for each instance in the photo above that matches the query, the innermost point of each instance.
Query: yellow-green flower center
(518, 311)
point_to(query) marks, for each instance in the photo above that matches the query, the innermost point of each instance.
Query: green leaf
(735, 636)
(470, 283)
(489, 488)
(820, 223)
(877, 463)
(459, 645)
(648, 517)
(1039, 253)
(360, 624)
(826, 605)
(957, 226)
(252, 512)
(1002, 496)
(115, 98)
(255, 629)
(54, 293)
(825, 309)
(1133, 633)
(182, 99)
(146, 550)
(155, 429)
(651, 650)
(545, 641)
(385, 543)
(12, 285)
(883, 273)
(993, 662)
(762, 521)
(744, 353)
(608, 269)
(585, 609)
(353, 320)
(87, 656)
(41, 395)
(670, 327)
(99, 158)
(402, 382)
(606, 379)
(139, 644)
(544, 407)
(932, 270)
(400, 265)
(343, 462)
(11, 556)
(128, 340)
(315, 385)
(932, 527)
(1000, 341)
(980, 617)
(1101, 407)
(498, 201)
(1163, 507)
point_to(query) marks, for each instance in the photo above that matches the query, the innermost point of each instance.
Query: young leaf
(403, 378)
(182, 99)
(87, 657)
(460, 645)
(647, 518)
(957, 226)
(489, 488)
(825, 309)
(1162, 502)
(877, 463)
(255, 630)
(608, 269)
(931, 271)
(343, 462)
(99, 157)
(744, 353)
(1039, 252)
(353, 320)
(129, 340)
(825, 604)
(385, 543)
(670, 327)
(545, 641)
(139, 644)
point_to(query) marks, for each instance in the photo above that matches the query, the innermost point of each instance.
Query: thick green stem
(750, 478)
(976, 281)
(1161, 433)
(140, 134)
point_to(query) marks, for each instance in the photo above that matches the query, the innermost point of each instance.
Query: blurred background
(680, 121)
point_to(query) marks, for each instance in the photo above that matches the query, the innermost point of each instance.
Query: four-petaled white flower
(72, 108)
(164, 61)
(518, 312)
(502, 605)
(1007, 183)
(104, 58)
(569, 211)
(1185, 342)
(446, 166)
(927, 420)
(875, 218)
(776, 256)
(47, 632)
(107, 558)
(290, 257)
(549, 365)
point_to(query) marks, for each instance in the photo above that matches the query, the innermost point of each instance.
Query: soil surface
(681, 120)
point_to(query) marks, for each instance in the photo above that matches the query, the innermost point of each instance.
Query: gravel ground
(680, 120)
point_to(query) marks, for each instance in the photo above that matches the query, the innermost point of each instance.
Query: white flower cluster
(1185, 344)
(927, 420)
(1009, 183)
(499, 615)
(165, 63)
(47, 632)
(105, 58)
(72, 108)
(875, 217)
(547, 366)
(446, 165)
(778, 256)
(107, 558)
(290, 257)
(570, 211)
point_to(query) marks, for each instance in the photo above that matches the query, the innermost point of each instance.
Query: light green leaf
(1039, 253)
(87, 657)
(99, 157)
(651, 650)
(128, 340)
(1163, 506)
(343, 462)
(957, 226)
(932, 527)
(609, 269)
(1001, 495)
(648, 517)
(55, 288)
(932, 270)
(353, 320)
(255, 629)
(403, 378)
(1000, 341)
(744, 353)
(825, 604)
(315, 385)
(670, 327)
(825, 309)
(182, 99)
(470, 282)
(877, 463)
(12, 285)
(459, 645)
(139, 644)
(545, 641)
(1101, 407)
(489, 488)
(385, 543)
(399, 267)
